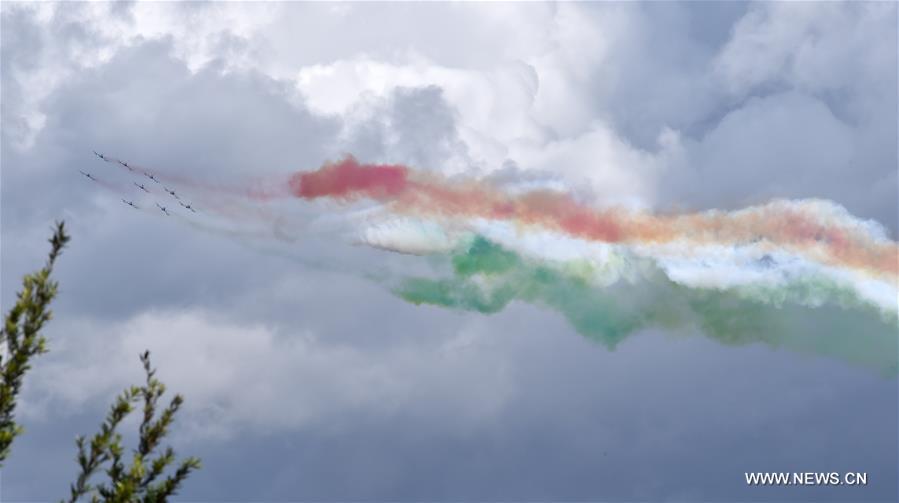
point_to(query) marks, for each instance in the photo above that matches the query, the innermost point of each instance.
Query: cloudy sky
(305, 382)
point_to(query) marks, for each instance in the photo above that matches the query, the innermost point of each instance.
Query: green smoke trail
(485, 278)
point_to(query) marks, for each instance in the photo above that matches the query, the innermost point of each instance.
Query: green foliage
(142, 480)
(21, 339)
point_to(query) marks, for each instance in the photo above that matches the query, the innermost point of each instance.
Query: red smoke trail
(347, 179)
(408, 191)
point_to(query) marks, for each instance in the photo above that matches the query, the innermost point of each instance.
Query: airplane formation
(186, 206)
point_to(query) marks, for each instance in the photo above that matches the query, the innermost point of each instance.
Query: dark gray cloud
(305, 382)
(659, 418)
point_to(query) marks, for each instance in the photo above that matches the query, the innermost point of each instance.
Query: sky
(307, 376)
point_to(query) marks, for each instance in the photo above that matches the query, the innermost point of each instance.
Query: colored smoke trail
(818, 229)
(804, 275)
(485, 277)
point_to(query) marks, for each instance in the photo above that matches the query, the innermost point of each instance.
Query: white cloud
(530, 110)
